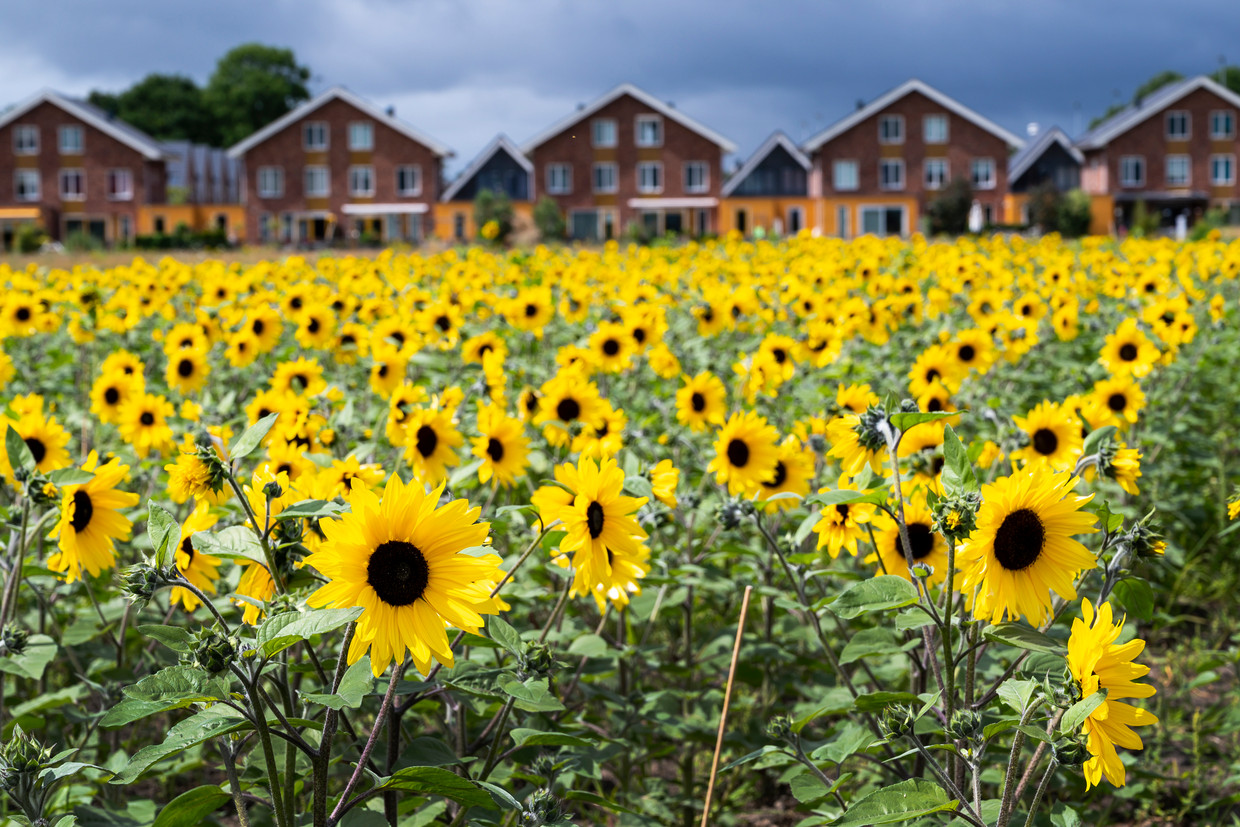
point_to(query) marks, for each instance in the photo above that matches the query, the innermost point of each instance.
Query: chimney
(391, 111)
(860, 103)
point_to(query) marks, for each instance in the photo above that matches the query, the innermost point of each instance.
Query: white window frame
(27, 147)
(564, 187)
(366, 146)
(1188, 170)
(1188, 124)
(657, 120)
(81, 176)
(925, 127)
(704, 184)
(842, 164)
(120, 175)
(70, 129)
(327, 181)
(1231, 168)
(267, 177)
(594, 133)
(642, 186)
(30, 175)
(357, 170)
(306, 129)
(414, 170)
(897, 163)
(1124, 161)
(925, 175)
(986, 163)
(886, 119)
(603, 187)
(1230, 114)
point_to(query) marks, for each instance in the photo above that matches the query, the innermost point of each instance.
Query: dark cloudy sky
(463, 70)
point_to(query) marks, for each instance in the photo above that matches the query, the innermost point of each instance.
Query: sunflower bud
(1144, 540)
(42, 491)
(140, 583)
(779, 728)
(544, 767)
(909, 406)
(1071, 750)
(272, 490)
(897, 721)
(956, 517)
(542, 810)
(729, 514)
(212, 650)
(818, 443)
(965, 725)
(872, 428)
(538, 659)
(13, 640)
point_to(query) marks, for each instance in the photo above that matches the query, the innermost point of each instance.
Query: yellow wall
(762, 212)
(199, 217)
(1101, 214)
(1013, 203)
(826, 217)
(445, 219)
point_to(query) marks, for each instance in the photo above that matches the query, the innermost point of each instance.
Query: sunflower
(794, 471)
(566, 400)
(387, 373)
(1128, 350)
(400, 559)
(611, 347)
(316, 327)
(193, 476)
(351, 343)
(663, 362)
(1124, 467)
(701, 402)
(243, 348)
(856, 398)
(841, 526)
(1118, 401)
(337, 479)
(196, 566)
(1098, 663)
(530, 310)
(400, 403)
(90, 520)
(853, 444)
(746, 454)
(1022, 548)
(928, 546)
(187, 370)
(303, 377)
(125, 362)
(6, 369)
(972, 350)
(185, 336)
(501, 445)
(1054, 437)
(44, 436)
(430, 443)
(935, 364)
(266, 326)
(605, 436)
(664, 477)
(475, 348)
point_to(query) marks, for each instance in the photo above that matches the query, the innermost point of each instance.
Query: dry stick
(727, 697)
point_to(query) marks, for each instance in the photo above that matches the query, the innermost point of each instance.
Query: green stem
(1009, 780)
(234, 784)
(276, 577)
(343, 803)
(1041, 791)
(269, 755)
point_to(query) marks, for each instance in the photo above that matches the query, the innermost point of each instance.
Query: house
(877, 169)
(70, 168)
(770, 192)
(1049, 158)
(628, 157)
(1173, 151)
(335, 168)
(203, 188)
(500, 167)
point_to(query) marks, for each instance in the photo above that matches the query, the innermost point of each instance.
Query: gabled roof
(1151, 105)
(908, 87)
(500, 143)
(133, 138)
(1019, 163)
(777, 139)
(338, 93)
(646, 98)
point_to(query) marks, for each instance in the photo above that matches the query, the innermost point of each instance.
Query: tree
(1158, 81)
(493, 216)
(548, 219)
(1044, 206)
(1075, 215)
(166, 107)
(251, 86)
(949, 213)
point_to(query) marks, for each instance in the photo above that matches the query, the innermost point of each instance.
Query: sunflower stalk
(1041, 791)
(276, 577)
(343, 804)
(259, 717)
(1009, 780)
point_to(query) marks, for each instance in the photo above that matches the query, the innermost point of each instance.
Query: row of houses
(339, 167)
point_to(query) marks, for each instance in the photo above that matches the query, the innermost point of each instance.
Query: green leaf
(39, 652)
(18, 451)
(591, 798)
(311, 509)
(914, 617)
(253, 437)
(1022, 637)
(174, 637)
(70, 476)
(808, 788)
(1095, 439)
(233, 543)
(499, 795)
(437, 781)
(846, 496)
(172, 688)
(1079, 711)
(288, 628)
(958, 477)
(202, 726)
(899, 802)
(905, 421)
(356, 684)
(887, 591)
(874, 701)
(851, 738)
(190, 808)
(869, 642)
(535, 738)
(1017, 693)
(590, 646)
(531, 695)
(426, 751)
(1110, 520)
(165, 534)
(1136, 596)
(503, 634)
(638, 486)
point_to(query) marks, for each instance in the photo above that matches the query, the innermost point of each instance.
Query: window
(650, 177)
(983, 173)
(26, 185)
(935, 129)
(891, 129)
(123, 228)
(72, 185)
(266, 223)
(1132, 171)
(71, 140)
(318, 183)
(1177, 125)
(936, 173)
(841, 222)
(697, 176)
(1178, 171)
(315, 134)
(458, 226)
(1222, 170)
(649, 130)
(796, 220)
(882, 220)
(891, 174)
(409, 180)
(844, 175)
(1222, 124)
(361, 136)
(26, 140)
(604, 130)
(559, 179)
(742, 221)
(120, 185)
(159, 225)
(362, 180)
(270, 182)
(605, 175)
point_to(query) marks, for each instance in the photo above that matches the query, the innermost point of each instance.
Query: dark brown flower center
(594, 519)
(966, 353)
(920, 537)
(1117, 402)
(738, 453)
(188, 548)
(1019, 540)
(1128, 352)
(611, 347)
(427, 439)
(111, 396)
(495, 449)
(842, 510)
(37, 448)
(698, 402)
(781, 475)
(568, 410)
(83, 510)
(23, 314)
(1045, 442)
(398, 572)
(443, 323)
(531, 310)
(780, 355)
(147, 418)
(185, 368)
(313, 325)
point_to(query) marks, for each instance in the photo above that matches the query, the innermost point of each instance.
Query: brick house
(629, 157)
(770, 192)
(1175, 152)
(500, 167)
(875, 170)
(70, 168)
(337, 167)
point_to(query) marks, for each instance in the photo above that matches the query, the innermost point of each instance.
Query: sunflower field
(806, 532)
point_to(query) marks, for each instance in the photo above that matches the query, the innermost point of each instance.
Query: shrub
(1074, 215)
(29, 238)
(80, 241)
(949, 212)
(493, 207)
(1045, 202)
(549, 219)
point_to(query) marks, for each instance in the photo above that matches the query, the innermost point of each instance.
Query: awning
(384, 209)
(672, 203)
(19, 213)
